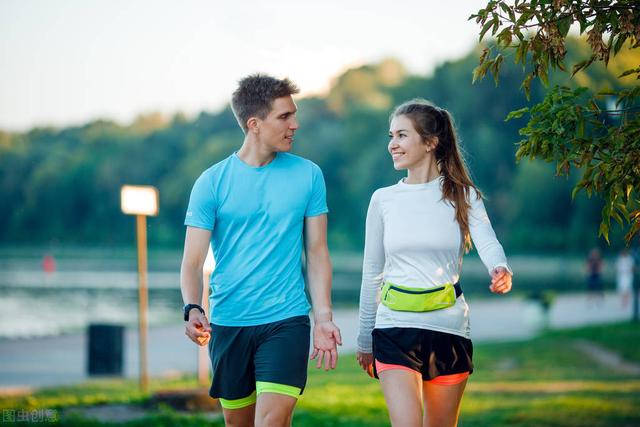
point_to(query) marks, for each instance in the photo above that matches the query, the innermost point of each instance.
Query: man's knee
(239, 417)
(277, 417)
(274, 410)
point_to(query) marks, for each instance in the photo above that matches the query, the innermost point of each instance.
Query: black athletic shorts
(429, 352)
(249, 360)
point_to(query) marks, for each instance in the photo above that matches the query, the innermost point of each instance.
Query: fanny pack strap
(458, 289)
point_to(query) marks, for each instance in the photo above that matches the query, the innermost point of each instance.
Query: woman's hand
(365, 360)
(500, 281)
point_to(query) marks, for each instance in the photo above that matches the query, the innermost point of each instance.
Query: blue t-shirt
(256, 215)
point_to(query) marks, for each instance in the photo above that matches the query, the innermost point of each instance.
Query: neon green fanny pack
(403, 298)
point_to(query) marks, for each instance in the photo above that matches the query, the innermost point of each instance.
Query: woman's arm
(372, 268)
(488, 247)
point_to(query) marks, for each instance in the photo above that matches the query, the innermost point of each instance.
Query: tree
(594, 130)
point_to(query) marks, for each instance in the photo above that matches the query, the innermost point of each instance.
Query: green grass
(621, 338)
(545, 381)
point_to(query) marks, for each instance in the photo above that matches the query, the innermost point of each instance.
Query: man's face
(277, 129)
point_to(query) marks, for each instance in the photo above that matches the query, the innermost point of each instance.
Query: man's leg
(281, 361)
(242, 417)
(274, 410)
(231, 352)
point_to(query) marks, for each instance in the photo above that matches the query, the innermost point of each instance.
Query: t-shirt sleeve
(317, 204)
(201, 211)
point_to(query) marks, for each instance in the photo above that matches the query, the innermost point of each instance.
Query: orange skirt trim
(452, 379)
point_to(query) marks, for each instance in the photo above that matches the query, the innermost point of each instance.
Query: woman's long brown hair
(433, 122)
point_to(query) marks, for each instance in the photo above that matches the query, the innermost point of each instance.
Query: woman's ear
(432, 143)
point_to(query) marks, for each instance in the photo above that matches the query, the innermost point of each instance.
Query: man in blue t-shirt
(254, 208)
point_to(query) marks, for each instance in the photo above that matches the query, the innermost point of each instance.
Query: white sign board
(139, 200)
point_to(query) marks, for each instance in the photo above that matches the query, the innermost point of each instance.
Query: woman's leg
(442, 403)
(403, 393)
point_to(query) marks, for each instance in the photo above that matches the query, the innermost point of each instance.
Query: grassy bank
(546, 381)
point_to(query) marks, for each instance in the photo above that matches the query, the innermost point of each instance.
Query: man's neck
(254, 154)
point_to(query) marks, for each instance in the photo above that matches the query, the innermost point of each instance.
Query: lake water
(97, 286)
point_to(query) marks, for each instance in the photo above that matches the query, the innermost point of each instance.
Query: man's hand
(326, 338)
(198, 328)
(365, 360)
(500, 281)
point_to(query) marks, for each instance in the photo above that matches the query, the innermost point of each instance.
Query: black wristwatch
(188, 308)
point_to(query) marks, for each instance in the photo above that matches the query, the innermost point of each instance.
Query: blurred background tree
(62, 185)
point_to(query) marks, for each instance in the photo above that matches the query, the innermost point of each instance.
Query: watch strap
(188, 308)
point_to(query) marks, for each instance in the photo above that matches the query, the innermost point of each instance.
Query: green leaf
(623, 210)
(563, 25)
(542, 74)
(584, 24)
(581, 127)
(526, 85)
(619, 43)
(521, 152)
(496, 25)
(617, 217)
(580, 65)
(495, 67)
(485, 28)
(505, 37)
(604, 231)
(575, 191)
(628, 72)
(521, 52)
(516, 114)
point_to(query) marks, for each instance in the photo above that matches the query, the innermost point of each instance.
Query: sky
(67, 62)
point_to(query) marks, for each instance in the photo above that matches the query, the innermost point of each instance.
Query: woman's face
(407, 148)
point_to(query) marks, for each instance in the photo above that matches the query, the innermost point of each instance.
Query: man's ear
(253, 125)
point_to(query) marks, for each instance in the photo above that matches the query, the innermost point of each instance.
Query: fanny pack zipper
(427, 291)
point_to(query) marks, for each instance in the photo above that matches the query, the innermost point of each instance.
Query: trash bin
(105, 353)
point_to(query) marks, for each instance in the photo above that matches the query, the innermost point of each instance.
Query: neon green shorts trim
(287, 390)
(238, 403)
(261, 387)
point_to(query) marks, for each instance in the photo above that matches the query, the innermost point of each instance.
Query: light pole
(141, 201)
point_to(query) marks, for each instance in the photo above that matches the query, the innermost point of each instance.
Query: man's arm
(196, 245)
(326, 334)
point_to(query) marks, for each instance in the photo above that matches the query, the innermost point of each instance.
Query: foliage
(596, 131)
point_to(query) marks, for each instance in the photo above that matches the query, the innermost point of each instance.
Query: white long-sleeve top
(413, 239)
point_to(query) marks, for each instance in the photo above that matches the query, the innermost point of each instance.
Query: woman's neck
(426, 172)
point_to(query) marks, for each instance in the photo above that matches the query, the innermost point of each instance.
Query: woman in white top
(417, 339)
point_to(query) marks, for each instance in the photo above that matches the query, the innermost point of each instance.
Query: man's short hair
(255, 95)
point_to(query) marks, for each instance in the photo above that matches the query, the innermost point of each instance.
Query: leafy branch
(569, 126)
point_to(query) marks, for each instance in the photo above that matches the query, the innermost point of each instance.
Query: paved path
(607, 358)
(62, 360)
